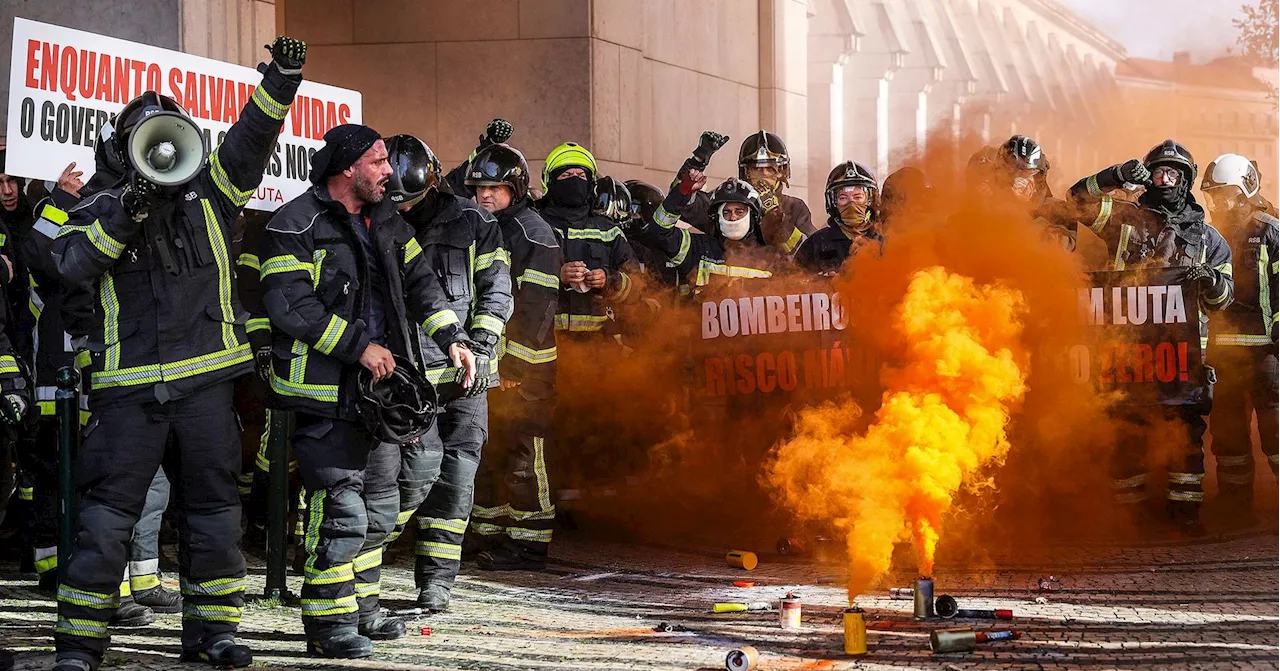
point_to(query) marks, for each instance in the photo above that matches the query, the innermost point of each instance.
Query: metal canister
(789, 612)
(792, 546)
(946, 606)
(902, 593)
(923, 598)
(743, 659)
(953, 640)
(855, 632)
(741, 559)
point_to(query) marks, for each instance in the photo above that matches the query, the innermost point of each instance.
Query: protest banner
(66, 84)
(1143, 335)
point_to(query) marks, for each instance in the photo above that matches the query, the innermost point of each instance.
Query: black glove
(136, 197)
(497, 132)
(289, 54)
(481, 384)
(708, 144)
(1133, 171)
(1200, 273)
(12, 409)
(262, 363)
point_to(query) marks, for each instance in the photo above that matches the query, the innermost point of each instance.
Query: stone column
(831, 43)
(784, 109)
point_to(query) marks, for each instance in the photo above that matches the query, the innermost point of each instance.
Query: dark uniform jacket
(824, 252)
(529, 348)
(1252, 317)
(599, 243)
(463, 247)
(170, 322)
(316, 286)
(784, 228)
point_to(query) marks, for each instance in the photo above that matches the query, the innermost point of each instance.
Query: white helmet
(1233, 170)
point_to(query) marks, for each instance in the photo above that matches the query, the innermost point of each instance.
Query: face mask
(571, 192)
(1167, 197)
(1024, 188)
(735, 230)
(855, 217)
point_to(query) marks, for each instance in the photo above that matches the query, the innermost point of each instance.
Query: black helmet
(146, 104)
(1175, 155)
(415, 169)
(611, 200)
(980, 166)
(764, 149)
(736, 191)
(851, 173)
(500, 164)
(400, 407)
(645, 200)
(1021, 153)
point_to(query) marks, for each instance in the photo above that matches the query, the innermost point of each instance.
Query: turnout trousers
(122, 450)
(513, 496)
(352, 500)
(1182, 428)
(1247, 385)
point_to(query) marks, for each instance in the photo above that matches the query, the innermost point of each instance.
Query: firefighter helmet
(1022, 153)
(499, 164)
(568, 155)
(645, 200)
(611, 200)
(1175, 155)
(764, 149)
(736, 191)
(851, 173)
(399, 408)
(1233, 170)
(415, 170)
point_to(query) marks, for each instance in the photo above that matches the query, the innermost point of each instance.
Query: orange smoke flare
(945, 413)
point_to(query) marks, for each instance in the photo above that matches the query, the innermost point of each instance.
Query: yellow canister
(855, 632)
(741, 559)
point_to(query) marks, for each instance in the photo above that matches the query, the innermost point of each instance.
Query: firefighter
(159, 366)
(645, 200)
(597, 258)
(853, 205)
(904, 196)
(497, 132)
(513, 517)
(341, 277)
(462, 244)
(1014, 178)
(1166, 227)
(1243, 344)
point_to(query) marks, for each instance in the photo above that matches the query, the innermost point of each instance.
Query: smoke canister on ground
(791, 546)
(743, 659)
(789, 611)
(741, 559)
(902, 593)
(953, 640)
(855, 632)
(946, 606)
(923, 598)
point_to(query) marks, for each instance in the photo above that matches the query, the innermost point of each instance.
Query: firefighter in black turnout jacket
(1165, 228)
(1243, 337)
(462, 244)
(513, 516)
(164, 357)
(853, 206)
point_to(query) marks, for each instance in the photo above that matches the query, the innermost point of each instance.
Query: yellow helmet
(568, 155)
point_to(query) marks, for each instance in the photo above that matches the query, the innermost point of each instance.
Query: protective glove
(1201, 273)
(136, 197)
(262, 363)
(12, 408)
(1133, 171)
(769, 200)
(481, 384)
(497, 132)
(289, 54)
(708, 144)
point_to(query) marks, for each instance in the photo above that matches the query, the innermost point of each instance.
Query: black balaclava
(1168, 198)
(572, 192)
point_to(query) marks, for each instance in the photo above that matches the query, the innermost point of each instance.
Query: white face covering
(735, 230)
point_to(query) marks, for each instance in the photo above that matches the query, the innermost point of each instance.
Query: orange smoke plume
(945, 413)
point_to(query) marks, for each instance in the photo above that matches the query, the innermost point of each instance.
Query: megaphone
(166, 148)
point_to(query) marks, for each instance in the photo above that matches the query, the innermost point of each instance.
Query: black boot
(1185, 515)
(223, 653)
(383, 628)
(48, 582)
(72, 665)
(434, 598)
(131, 615)
(347, 645)
(507, 559)
(159, 599)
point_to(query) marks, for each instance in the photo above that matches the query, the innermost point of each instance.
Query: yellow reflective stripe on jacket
(249, 261)
(607, 235)
(1264, 290)
(1104, 214)
(664, 218)
(793, 241)
(485, 261)
(278, 265)
(223, 259)
(332, 334)
(624, 287)
(54, 214)
(489, 323)
(529, 354)
(325, 393)
(539, 278)
(1091, 184)
(439, 320)
(103, 241)
(1126, 231)
(177, 370)
(1242, 340)
(686, 241)
(237, 196)
(258, 324)
(565, 322)
(8, 364)
(708, 268)
(269, 105)
(412, 250)
(1225, 269)
(110, 321)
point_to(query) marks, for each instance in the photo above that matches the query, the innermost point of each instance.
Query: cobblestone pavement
(1212, 604)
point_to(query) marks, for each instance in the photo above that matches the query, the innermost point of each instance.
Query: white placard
(65, 83)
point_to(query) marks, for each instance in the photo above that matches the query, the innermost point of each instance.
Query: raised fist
(708, 144)
(1133, 171)
(289, 54)
(497, 132)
